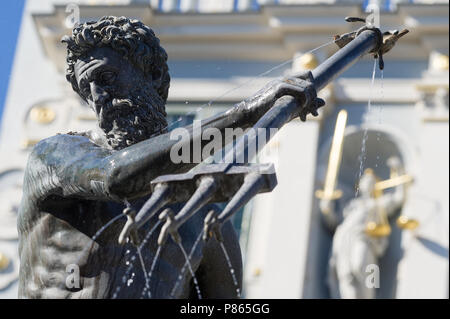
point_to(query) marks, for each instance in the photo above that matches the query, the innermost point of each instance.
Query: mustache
(114, 108)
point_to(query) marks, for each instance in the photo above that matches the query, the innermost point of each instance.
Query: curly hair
(134, 40)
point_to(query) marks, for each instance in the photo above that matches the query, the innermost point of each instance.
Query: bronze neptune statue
(77, 182)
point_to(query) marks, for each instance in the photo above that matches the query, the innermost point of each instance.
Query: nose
(99, 95)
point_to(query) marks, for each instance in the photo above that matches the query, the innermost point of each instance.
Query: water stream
(183, 269)
(194, 279)
(147, 280)
(152, 268)
(104, 227)
(130, 263)
(367, 114)
(232, 272)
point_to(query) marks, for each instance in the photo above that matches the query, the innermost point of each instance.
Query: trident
(238, 183)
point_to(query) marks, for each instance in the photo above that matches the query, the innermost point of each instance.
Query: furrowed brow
(84, 71)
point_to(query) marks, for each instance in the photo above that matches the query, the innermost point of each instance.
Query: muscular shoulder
(60, 146)
(59, 160)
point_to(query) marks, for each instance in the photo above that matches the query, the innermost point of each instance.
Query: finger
(295, 91)
(304, 75)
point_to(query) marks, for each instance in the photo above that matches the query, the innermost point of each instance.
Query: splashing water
(147, 236)
(380, 109)
(147, 281)
(197, 287)
(193, 113)
(102, 229)
(125, 278)
(366, 131)
(152, 268)
(130, 263)
(380, 106)
(232, 272)
(183, 269)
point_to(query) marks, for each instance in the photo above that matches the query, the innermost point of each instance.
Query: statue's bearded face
(127, 106)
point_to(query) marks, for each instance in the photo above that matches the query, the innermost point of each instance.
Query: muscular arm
(213, 274)
(73, 166)
(69, 165)
(66, 165)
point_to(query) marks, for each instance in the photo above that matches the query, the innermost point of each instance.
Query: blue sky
(10, 18)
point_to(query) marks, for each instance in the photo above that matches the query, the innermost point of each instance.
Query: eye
(107, 77)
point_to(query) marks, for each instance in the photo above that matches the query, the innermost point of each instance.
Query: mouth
(113, 110)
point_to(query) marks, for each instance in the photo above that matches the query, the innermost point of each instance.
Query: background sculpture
(361, 234)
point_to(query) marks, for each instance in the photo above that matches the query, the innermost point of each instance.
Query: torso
(60, 240)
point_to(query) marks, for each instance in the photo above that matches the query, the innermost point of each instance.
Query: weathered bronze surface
(76, 182)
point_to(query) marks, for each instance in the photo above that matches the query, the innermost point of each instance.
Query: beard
(132, 120)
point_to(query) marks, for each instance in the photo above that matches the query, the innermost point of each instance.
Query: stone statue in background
(76, 182)
(356, 244)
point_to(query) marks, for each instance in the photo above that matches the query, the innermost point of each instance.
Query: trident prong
(206, 184)
(134, 221)
(169, 228)
(211, 227)
(253, 183)
(387, 39)
(129, 229)
(206, 188)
